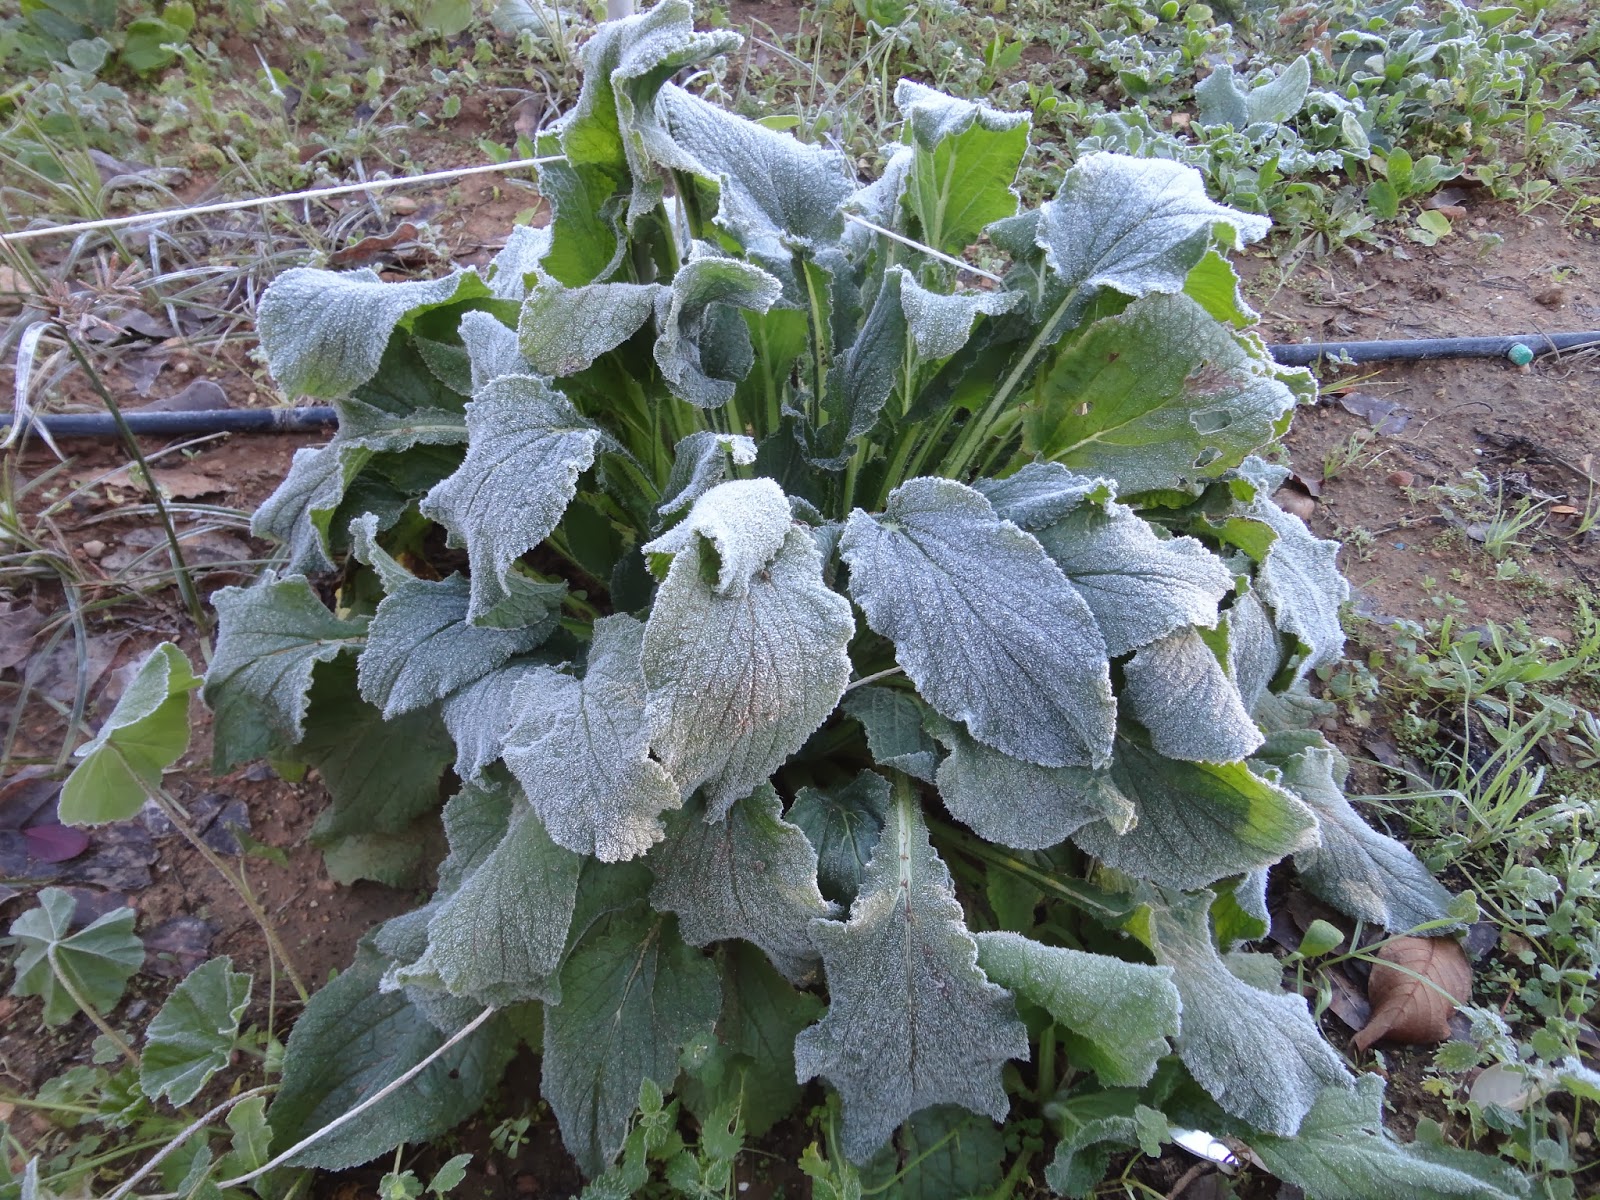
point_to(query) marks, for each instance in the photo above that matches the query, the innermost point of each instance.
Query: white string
(939, 254)
(341, 189)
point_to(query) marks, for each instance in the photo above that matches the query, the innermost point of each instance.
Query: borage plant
(817, 614)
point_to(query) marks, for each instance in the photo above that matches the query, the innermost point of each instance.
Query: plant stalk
(89, 1010)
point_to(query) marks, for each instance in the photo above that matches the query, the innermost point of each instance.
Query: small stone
(94, 548)
(404, 206)
(1402, 479)
(1552, 297)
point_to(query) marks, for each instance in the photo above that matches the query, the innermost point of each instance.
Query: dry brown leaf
(1414, 989)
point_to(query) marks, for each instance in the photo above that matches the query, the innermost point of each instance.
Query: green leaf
(448, 1177)
(1158, 396)
(892, 720)
(1214, 286)
(864, 377)
(581, 750)
(350, 1041)
(586, 240)
(1092, 1122)
(392, 859)
(1259, 1053)
(911, 1021)
(513, 268)
(563, 330)
(947, 1152)
(939, 324)
(966, 158)
(1195, 822)
(1223, 102)
(1179, 692)
(1357, 869)
(527, 447)
(699, 463)
(270, 637)
(984, 623)
(751, 875)
(146, 40)
(98, 960)
(633, 995)
(704, 346)
(1343, 1152)
(744, 520)
(192, 1037)
(251, 1144)
(324, 332)
(1125, 1012)
(145, 734)
(742, 670)
(300, 511)
(843, 825)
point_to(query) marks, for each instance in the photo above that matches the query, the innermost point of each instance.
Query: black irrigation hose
(300, 420)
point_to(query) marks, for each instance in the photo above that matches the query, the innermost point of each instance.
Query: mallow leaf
(1259, 1053)
(563, 330)
(633, 996)
(1041, 493)
(1158, 396)
(751, 875)
(1179, 692)
(704, 345)
(581, 750)
(1195, 822)
(911, 1020)
(480, 715)
(700, 462)
(741, 671)
(966, 157)
(892, 719)
(527, 447)
(1363, 872)
(146, 733)
(940, 324)
(1020, 804)
(324, 332)
(1134, 224)
(1139, 585)
(192, 1037)
(98, 959)
(270, 638)
(843, 823)
(984, 623)
(1123, 1011)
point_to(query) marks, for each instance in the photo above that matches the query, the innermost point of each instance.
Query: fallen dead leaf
(369, 248)
(176, 483)
(17, 629)
(1385, 416)
(1293, 500)
(1414, 989)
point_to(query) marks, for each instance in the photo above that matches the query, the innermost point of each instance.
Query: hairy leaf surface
(966, 157)
(704, 348)
(893, 722)
(480, 715)
(98, 959)
(1042, 493)
(1176, 689)
(192, 1037)
(699, 463)
(940, 324)
(563, 330)
(843, 823)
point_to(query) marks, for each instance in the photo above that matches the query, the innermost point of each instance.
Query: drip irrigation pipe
(301, 420)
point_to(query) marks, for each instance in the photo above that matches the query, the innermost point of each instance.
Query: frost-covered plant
(846, 675)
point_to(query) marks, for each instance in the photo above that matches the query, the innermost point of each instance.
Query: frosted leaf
(1255, 651)
(911, 1022)
(1125, 1012)
(1041, 493)
(704, 345)
(499, 936)
(966, 157)
(1176, 689)
(1223, 102)
(527, 446)
(421, 645)
(270, 637)
(892, 720)
(581, 750)
(480, 715)
(518, 260)
(746, 520)
(324, 332)
(633, 996)
(940, 324)
(563, 330)
(1157, 396)
(1134, 224)
(1259, 1053)
(491, 347)
(738, 682)
(984, 623)
(866, 375)
(300, 509)
(1196, 822)
(1018, 804)
(1139, 585)
(751, 875)
(1362, 872)
(843, 824)
(700, 462)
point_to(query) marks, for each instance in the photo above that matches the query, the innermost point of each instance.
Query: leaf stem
(89, 1010)
(129, 1183)
(1105, 906)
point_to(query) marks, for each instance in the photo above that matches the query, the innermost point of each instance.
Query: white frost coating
(1357, 869)
(699, 463)
(491, 348)
(940, 325)
(1041, 493)
(892, 720)
(703, 347)
(746, 520)
(1259, 1054)
(843, 824)
(1255, 651)
(751, 875)
(738, 682)
(526, 448)
(519, 258)
(298, 511)
(562, 330)
(1178, 691)
(1126, 1011)
(1139, 585)
(1015, 803)
(324, 332)
(480, 714)
(581, 750)
(1134, 224)
(935, 116)
(1223, 102)
(984, 623)
(911, 1020)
